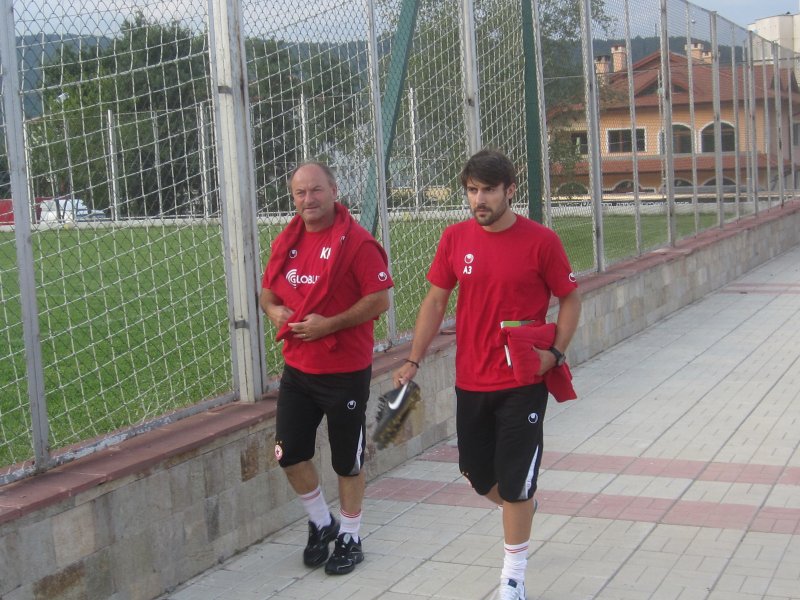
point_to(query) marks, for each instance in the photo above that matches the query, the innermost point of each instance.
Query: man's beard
(489, 218)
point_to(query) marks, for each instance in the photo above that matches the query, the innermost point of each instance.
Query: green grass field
(134, 320)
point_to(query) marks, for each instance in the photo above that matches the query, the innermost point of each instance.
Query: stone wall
(137, 519)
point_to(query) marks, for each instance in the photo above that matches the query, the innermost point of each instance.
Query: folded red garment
(526, 363)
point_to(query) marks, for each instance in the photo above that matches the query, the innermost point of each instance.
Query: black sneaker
(393, 409)
(316, 551)
(346, 555)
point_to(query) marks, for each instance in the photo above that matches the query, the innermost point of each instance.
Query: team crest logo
(278, 452)
(468, 259)
(572, 278)
(382, 276)
(292, 253)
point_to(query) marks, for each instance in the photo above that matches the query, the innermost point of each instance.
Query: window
(619, 140)
(580, 141)
(728, 138)
(725, 181)
(572, 188)
(681, 139)
(624, 187)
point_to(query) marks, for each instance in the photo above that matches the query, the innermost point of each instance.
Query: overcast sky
(744, 12)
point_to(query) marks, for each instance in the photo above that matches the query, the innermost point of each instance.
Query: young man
(326, 282)
(506, 268)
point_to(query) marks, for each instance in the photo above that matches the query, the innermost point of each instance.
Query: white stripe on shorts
(529, 477)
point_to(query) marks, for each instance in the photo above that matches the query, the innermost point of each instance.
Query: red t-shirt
(501, 276)
(368, 274)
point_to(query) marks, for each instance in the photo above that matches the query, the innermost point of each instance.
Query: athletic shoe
(511, 590)
(316, 551)
(346, 555)
(393, 408)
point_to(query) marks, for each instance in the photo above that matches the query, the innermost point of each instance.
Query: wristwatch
(560, 358)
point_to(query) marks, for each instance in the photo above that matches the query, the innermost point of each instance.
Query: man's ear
(510, 192)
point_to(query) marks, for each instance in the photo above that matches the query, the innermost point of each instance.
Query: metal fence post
(472, 103)
(593, 133)
(237, 195)
(635, 150)
(157, 162)
(666, 95)
(751, 123)
(21, 197)
(767, 136)
(735, 85)
(792, 139)
(543, 141)
(692, 115)
(205, 189)
(717, 118)
(778, 87)
(533, 121)
(306, 144)
(412, 128)
(112, 166)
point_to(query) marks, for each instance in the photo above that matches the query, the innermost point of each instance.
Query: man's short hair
(325, 169)
(490, 167)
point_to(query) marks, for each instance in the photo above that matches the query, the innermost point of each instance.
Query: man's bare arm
(274, 308)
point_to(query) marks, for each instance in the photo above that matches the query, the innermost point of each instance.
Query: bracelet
(408, 360)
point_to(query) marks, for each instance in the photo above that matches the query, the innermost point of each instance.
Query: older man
(326, 282)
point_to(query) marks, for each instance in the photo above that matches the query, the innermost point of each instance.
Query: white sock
(350, 524)
(514, 562)
(314, 503)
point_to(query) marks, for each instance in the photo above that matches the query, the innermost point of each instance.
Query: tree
(150, 81)
(153, 82)
(292, 86)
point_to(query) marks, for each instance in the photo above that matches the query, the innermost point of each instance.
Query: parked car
(62, 210)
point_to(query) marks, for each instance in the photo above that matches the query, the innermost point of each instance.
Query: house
(693, 136)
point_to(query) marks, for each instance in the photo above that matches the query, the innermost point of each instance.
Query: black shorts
(304, 398)
(500, 439)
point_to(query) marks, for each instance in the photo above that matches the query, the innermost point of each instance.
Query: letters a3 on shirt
(468, 260)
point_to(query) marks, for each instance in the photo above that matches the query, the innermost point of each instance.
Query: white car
(62, 210)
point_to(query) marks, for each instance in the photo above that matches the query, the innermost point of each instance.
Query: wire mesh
(15, 421)
(567, 129)
(132, 300)
(424, 193)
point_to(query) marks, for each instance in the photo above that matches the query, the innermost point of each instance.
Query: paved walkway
(676, 475)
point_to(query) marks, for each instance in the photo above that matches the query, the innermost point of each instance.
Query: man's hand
(312, 328)
(547, 360)
(273, 307)
(278, 314)
(404, 374)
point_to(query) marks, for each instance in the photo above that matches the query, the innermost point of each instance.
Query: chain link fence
(133, 228)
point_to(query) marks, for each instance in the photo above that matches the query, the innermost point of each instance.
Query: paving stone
(675, 476)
